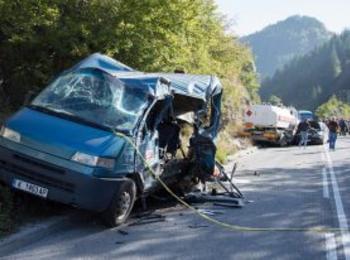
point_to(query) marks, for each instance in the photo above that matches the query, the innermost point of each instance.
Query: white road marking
(331, 246)
(241, 181)
(325, 184)
(343, 224)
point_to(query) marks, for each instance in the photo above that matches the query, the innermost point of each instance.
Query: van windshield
(95, 97)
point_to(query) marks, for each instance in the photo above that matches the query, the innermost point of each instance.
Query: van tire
(121, 204)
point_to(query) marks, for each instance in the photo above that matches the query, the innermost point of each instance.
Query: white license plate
(31, 188)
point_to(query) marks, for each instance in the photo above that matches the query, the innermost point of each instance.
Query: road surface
(288, 187)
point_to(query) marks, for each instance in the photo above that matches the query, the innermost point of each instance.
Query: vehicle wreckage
(67, 145)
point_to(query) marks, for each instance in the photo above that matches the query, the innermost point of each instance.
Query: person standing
(303, 129)
(333, 129)
(343, 127)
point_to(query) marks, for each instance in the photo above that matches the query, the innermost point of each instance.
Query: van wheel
(121, 205)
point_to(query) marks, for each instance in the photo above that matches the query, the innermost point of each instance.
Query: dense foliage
(310, 81)
(39, 38)
(277, 44)
(333, 108)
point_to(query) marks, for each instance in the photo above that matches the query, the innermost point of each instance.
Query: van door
(150, 164)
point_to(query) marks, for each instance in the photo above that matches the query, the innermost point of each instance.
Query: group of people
(333, 126)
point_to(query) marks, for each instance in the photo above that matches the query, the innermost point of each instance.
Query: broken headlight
(94, 161)
(10, 134)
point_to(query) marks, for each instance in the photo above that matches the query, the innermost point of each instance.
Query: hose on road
(236, 228)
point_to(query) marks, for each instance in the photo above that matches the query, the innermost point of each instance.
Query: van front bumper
(64, 185)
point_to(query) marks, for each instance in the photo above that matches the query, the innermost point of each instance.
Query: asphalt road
(293, 188)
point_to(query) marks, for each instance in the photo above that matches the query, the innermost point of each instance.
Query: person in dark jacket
(343, 127)
(303, 129)
(333, 130)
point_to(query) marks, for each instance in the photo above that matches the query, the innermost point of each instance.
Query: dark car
(318, 134)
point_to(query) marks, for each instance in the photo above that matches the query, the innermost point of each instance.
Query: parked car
(306, 115)
(95, 136)
(317, 135)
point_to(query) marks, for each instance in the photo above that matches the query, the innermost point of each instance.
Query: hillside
(279, 43)
(309, 81)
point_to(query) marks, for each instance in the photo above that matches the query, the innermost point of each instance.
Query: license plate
(31, 188)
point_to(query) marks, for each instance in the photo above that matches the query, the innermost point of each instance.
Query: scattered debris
(227, 205)
(210, 212)
(123, 232)
(198, 226)
(137, 223)
(201, 197)
(148, 218)
(149, 215)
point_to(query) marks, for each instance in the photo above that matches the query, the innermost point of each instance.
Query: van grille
(39, 164)
(35, 176)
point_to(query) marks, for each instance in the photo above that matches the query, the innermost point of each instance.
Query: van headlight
(10, 134)
(94, 161)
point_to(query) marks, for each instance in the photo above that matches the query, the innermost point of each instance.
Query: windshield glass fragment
(96, 97)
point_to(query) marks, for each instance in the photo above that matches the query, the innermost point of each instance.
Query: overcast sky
(252, 15)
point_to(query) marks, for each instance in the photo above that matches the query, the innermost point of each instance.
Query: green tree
(333, 107)
(276, 101)
(307, 82)
(40, 38)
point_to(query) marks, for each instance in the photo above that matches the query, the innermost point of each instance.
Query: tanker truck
(268, 124)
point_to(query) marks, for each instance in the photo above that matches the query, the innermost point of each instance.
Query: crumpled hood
(62, 137)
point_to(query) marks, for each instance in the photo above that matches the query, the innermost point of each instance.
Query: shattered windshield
(96, 97)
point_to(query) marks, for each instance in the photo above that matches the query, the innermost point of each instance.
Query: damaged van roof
(195, 86)
(102, 62)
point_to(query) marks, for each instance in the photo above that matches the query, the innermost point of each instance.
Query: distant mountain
(309, 81)
(279, 43)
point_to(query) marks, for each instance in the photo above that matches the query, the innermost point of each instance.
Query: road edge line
(325, 183)
(343, 224)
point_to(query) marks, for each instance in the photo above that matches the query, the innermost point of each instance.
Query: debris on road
(148, 219)
(123, 232)
(227, 205)
(210, 212)
(198, 226)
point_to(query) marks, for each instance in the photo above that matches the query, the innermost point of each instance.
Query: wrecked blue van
(71, 143)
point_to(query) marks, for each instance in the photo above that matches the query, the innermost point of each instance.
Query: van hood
(63, 137)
